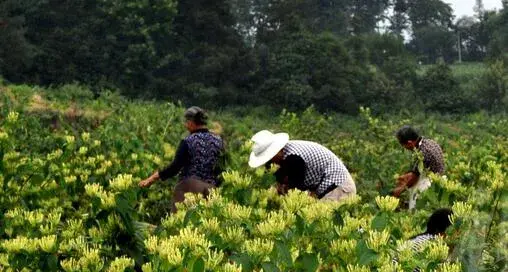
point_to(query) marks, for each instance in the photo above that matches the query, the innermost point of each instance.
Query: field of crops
(70, 164)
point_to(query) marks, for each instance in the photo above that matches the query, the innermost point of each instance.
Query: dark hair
(196, 115)
(439, 221)
(407, 133)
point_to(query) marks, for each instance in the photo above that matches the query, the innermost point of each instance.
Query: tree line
(334, 54)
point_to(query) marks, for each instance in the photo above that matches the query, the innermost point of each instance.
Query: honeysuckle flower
(82, 150)
(275, 224)
(258, 248)
(343, 248)
(134, 156)
(147, 267)
(4, 260)
(214, 259)
(238, 181)
(172, 255)
(231, 267)
(69, 139)
(237, 212)
(152, 244)
(316, 211)
(85, 136)
(48, 243)
(70, 179)
(387, 203)
(120, 264)
(91, 259)
(194, 240)
(211, 225)
(12, 117)
(437, 250)
(352, 225)
(121, 182)
(96, 143)
(461, 210)
(233, 235)
(296, 200)
(357, 268)
(3, 135)
(449, 267)
(377, 239)
(70, 265)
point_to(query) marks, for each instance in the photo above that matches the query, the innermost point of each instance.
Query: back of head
(439, 221)
(196, 115)
(407, 133)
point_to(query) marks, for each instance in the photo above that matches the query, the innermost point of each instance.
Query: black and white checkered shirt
(323, 169)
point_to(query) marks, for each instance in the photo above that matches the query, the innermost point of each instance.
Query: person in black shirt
(197, 159)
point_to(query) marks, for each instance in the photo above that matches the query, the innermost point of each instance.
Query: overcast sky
(465, 7)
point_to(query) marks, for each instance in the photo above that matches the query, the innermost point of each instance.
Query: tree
(16, 52)
(431, 23)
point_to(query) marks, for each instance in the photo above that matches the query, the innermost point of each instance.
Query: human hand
(146, 183)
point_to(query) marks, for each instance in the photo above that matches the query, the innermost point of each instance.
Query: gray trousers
(189, 185)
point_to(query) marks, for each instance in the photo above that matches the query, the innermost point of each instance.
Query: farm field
(70, 164)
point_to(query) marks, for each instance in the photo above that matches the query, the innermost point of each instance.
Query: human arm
(181, 158)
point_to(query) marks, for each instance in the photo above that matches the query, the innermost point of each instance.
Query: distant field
(464, 72)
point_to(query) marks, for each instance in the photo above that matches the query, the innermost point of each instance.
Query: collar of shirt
(201, 130)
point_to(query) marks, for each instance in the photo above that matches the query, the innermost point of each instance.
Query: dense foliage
(336, 55)
(69, 200)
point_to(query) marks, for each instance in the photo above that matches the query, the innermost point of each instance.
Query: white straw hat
(266, 146)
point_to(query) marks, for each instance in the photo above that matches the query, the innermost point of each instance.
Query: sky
(465, 7)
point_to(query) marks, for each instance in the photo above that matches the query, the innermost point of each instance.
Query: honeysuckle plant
(69, 199)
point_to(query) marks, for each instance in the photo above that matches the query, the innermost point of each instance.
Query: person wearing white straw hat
(304, 165)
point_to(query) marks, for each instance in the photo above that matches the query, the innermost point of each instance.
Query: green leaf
(199, 265)
(380, 221)
(283, 253)
(365, 255)
(242, 259)
(300, 224)
(308, 262)
(269, 267)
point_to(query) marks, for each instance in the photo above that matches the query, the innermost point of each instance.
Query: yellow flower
(449, 267)
(91, 260)
(214, 259)
(377, 240)
(258, 248)
(152, 244)
(194, 241)
(231, 267)
(48, 243)
(121, 182)
(296, 200)
(357, 268)
(343, 248)
(69, 139)
(70, 179)
(275, 224)
(233, 235)
(437, 250)
(237, 212)
(387, 203)
(238, 181)
(12, 117)
(71, 265)
(3, 135)
(85, 136)
(82, 150)
(211, 225)
(147, 267)
(461, 210)
(120, 264)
